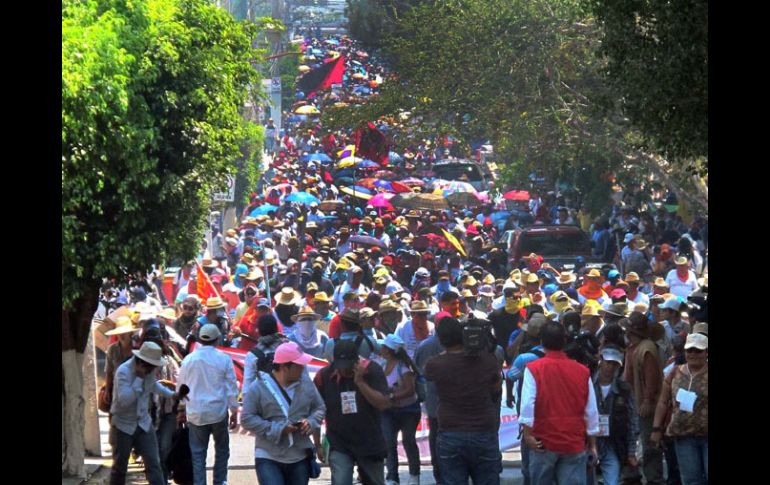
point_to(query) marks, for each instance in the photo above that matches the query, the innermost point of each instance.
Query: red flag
(371, 143)
(322, 77)
(205, 288)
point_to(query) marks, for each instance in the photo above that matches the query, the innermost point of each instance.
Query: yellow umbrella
(352, 149)
(304, 68)
(449, 237)
(307, 110)
(355, 193)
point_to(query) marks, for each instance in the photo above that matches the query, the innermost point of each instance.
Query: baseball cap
(617, 293)
(697, 341)
(209, 333)
(290, 352)
(345, 354)
(263, 302)
(393, 342)
(609, 353)
(671, 304)
(701, 327)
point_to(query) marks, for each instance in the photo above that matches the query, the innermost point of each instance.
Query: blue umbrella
(362, 89)
(305, 157)
(302, 198)
(332, 41)
(320, 157)
(368, 164)
(263, 210)
(395, 157)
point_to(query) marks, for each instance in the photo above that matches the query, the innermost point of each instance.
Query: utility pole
(276, 37)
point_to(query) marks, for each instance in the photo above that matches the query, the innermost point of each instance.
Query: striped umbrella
(446, 187)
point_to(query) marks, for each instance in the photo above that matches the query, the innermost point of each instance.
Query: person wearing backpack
(260, 358)
(404, 414)
(351, 330)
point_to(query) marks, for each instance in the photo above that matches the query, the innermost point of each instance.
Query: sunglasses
(251, 293)
(693, 350)
(188, 307)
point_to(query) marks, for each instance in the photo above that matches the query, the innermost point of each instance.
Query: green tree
(151, 123)
(657, 54)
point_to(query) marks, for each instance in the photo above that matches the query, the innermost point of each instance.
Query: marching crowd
(415, 308)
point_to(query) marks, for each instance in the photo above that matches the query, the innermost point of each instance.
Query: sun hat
(291, 352)
(209, 263)
(123, 325)
(566, 277)
(641, 307)
(593, 273)
(321, 296)
(168, 313)
(487, 290)
(306, 311)
(288, 296)
(367, 312)
(419, 306)
(660, 283)
(393, 342)
(389, 306)
(617, 310)
(343, 264)
(697, 341)
(671, 304)
(612, 354)
(209, 333)
(680, 261)
(214, 303)
(631, 277)
(151, 353)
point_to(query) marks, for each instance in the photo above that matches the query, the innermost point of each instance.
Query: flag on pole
(371, 143)
(205, 288)
(348, 151)
(322, 77)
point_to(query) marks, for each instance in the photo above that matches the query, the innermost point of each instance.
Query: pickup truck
(560, 245)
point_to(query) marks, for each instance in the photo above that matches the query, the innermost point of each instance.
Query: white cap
(696, 340)
(628, 237)
(314, 204)
(209, 332)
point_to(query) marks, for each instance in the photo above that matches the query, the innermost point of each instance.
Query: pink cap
(618, 293)
(290, 352)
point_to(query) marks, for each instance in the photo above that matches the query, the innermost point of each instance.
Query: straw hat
(151, 353)
(631, 277)
(254, 274)
(214, 303)
(288, 296)
(681, 261)
(590, 311)
(209, 263)
(306, 311)
(389, 306)
(488, 279)
(594, 273)
(168, 313)
(516, 276)
(566, 278)
(123, 325)
(532, 278)
(661, 283)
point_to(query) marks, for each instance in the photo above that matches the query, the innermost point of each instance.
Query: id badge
(604, 425)
(348, 399)
(686, 400)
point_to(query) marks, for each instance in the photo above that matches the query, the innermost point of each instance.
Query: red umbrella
(516, 195)
(434, 240)
(413, 182)
(367, 183)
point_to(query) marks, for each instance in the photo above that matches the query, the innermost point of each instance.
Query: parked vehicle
(462, 169)
(560, 245)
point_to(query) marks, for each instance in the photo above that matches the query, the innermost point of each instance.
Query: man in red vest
(558, 413)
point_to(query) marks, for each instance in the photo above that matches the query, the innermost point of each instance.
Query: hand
(305, 427)
(632, 461)
(181, 417)
(646, 409)
(233, 421)
(655, 438)
(534, 443)
(358, 373)
(320, 454)
(290, 428)
(236, 331)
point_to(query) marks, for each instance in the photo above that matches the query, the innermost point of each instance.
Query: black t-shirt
(468, 391)
(504, 324)
(360, 433)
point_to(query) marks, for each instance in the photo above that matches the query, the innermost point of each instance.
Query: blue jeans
(692, 452)
(432, 438)
(271, 472)
(164, 434)
(609, 462)
(146, 445)
(547, 467)
(464, 455)
(199, 444)
(406, 423)
(525, 463)
(341, 465)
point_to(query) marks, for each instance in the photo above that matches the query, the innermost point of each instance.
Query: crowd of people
(416, 307)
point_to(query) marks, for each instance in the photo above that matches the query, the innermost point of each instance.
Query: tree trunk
(76, 325)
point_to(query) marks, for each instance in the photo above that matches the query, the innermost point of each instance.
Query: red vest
(562, 394)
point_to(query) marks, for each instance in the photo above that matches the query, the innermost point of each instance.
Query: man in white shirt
(682, 280)
(558, 411)
(417, 329)
(213, 389)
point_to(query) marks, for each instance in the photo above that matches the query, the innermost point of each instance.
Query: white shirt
(529, 393)
(677, 287)
(406, 332)
(213, 387)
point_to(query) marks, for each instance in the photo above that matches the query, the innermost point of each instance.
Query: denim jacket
(264, 416)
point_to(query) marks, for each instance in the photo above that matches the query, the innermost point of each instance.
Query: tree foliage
(372, 21)
(657, 53)
(151, 124)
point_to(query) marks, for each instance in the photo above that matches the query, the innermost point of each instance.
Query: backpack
(179, 461)
(264, 359)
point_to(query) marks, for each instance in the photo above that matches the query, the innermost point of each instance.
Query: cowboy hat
(594, 273)
(288, 296)
(254, 275)
(209, 263)
(660, 283)
(306, 311)
(123, 325)
(681, 261)
(488, 279)
(532, 278)
(168, 313)
(151, 353)
(631, 277)
(617, 310)
(321, 296)
(419, 306)
(487, 290)
(214, 303)
(515, 276)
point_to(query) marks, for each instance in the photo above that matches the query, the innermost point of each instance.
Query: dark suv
(559, 245)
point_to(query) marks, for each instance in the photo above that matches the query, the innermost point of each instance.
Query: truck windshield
(455, 172)
(551, 244)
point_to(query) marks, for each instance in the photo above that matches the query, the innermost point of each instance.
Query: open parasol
(516, 195)
(331, 205)
(367, 241)
(463, 199)
(419, 201)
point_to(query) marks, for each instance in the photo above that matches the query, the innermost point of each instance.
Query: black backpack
(179, 461)
(264, 359)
